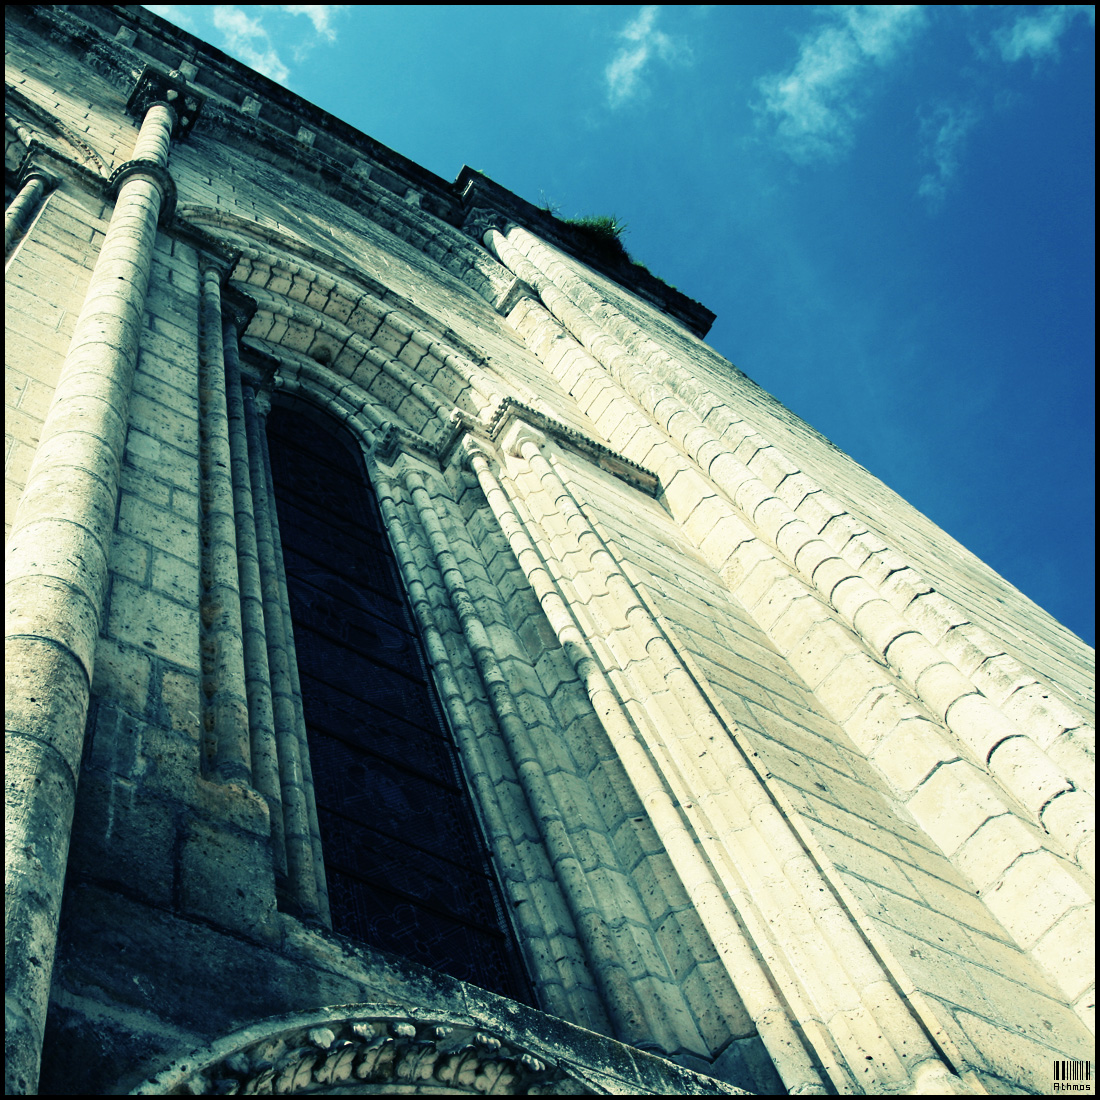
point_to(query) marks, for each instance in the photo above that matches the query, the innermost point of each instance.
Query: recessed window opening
(407, 868)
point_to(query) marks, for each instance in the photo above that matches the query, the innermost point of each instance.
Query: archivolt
(319, 307)
(38, 125)
(376, 1048)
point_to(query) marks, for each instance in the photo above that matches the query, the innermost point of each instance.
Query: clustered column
(57, 581)
(305, 880)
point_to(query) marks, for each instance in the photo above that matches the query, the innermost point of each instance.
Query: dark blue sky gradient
(944, 339)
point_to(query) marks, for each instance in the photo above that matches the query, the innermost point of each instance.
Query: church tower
(431, 667)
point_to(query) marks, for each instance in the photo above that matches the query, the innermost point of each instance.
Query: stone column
(313, 824)
(620, 997)
(794, 1063)
(223, 673)
(57, 564)
(24, 206)
(302, 892)
(261, 716)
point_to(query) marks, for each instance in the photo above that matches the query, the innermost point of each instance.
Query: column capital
(31, 171)
(169, 89)
(479, 220)
(237, 308)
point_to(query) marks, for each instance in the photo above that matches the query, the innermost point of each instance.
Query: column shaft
(57, 579)
(622, 1001)
(226, 706)
(302, 883)
(308, 793)
(21, 212)
(261, 718)
(792, 1061)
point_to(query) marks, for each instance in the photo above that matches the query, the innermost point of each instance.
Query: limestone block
(952, 803)
(1009, 1056)
(226, 877)
(909, 752)
(1068, 952)
(1033, 895)
(139, 616)
(120, 837)
(122, 674)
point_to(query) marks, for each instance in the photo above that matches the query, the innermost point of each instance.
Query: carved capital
(479, 220)
(34, 171)
(170, 89)
(518, 433)
(237, 308)
(517, 290)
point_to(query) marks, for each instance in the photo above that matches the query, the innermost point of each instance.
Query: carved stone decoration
(479, 220)
(172, 90)
(335, 1052)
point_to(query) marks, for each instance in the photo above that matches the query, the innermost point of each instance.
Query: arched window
(407, 868)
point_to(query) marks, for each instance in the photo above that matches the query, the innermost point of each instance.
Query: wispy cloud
(248, 39)
(642, 43)
(320, 15)
(814, 106)
(174, 13)
(247, 35)
(1036, 35)
(943, 133)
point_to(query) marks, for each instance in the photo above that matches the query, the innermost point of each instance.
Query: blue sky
(891, 210)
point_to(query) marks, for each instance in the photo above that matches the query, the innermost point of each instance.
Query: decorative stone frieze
(351, 1049)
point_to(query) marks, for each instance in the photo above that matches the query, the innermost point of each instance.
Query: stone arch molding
(29, 127)
(330, 316)
(347, 1050)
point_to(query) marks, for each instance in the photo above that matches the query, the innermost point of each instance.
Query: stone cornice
(116, 40)
(509, 411)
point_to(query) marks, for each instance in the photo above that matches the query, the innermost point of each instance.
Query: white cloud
(174, 13)
(247, 39)
(643, 43)
(320, 15)
(944, 134)
(815, 105)
(1037, 35)
(246, 36)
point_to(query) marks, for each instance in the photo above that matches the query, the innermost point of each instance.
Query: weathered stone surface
(782, 789)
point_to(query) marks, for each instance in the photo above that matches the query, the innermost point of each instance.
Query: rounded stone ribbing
(681, 405)
(621, 999)
(309, 796)
(296, 826)
(261, 717)
(57, 559)
(522, 888)
(846, 973)
(750, 979)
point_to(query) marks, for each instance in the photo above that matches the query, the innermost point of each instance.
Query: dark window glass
(407, 868)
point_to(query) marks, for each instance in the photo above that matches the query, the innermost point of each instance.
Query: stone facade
(778, 788)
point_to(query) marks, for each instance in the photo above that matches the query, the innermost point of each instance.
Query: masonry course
(780, 787)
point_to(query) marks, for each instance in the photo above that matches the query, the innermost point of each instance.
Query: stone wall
(784, 788)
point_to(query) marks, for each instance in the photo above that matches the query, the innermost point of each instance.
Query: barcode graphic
(1066, 1070)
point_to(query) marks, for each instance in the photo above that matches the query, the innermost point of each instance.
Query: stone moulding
(509, 410)
(378, 1048)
